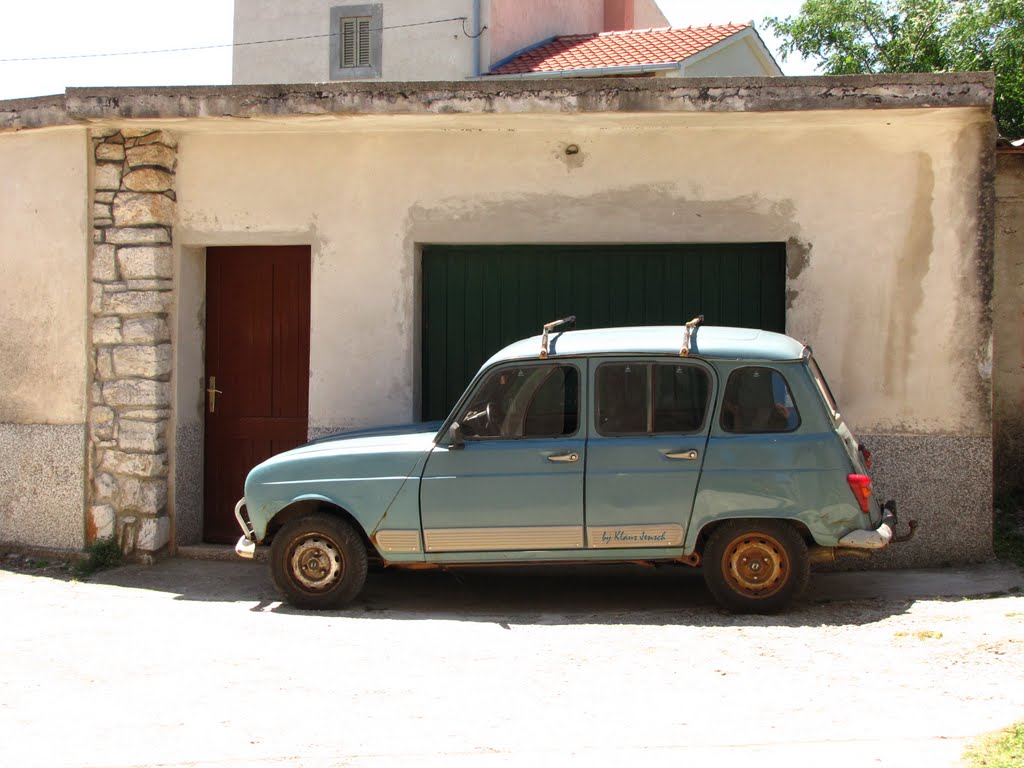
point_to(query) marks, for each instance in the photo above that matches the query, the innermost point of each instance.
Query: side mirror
(455, 439)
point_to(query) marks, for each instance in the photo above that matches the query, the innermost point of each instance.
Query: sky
(72, 27)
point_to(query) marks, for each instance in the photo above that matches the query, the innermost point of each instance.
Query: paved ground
(191, 663)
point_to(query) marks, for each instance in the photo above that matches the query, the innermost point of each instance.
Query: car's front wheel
(318, 561)
(756, 566)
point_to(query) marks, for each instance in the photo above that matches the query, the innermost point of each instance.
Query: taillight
(865, 453)
(861, 487)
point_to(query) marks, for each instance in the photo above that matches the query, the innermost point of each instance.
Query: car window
(524, 401)
(757, 400)
(650, 398)
(554, 410)
(819, 379)
(680, 397)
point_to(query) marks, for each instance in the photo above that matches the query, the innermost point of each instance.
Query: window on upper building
(356, 41)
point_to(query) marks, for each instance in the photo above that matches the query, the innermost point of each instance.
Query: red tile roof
(617, 49)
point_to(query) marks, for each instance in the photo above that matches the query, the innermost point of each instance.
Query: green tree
(873, 36)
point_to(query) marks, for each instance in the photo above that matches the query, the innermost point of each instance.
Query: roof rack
(548, 327)
(689, 332)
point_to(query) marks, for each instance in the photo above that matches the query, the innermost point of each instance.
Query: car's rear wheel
(318, 561)
(756, 566)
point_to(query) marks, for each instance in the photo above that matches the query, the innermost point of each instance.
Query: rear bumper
(246, 546)
(880, 537)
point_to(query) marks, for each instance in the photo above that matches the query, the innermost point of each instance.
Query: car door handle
(688, 455)
(564, 457)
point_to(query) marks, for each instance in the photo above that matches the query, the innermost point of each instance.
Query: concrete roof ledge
(724, 94)
(37, 112)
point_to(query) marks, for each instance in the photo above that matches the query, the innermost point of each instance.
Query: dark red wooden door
(257, 355)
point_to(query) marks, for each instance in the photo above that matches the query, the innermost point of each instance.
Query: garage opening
(479, 298)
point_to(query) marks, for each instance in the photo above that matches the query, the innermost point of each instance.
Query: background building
(325, 40)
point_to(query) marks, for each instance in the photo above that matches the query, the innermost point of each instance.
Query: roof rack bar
(690, 330)
(548, 327)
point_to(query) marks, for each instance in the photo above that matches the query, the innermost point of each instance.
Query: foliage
(100, 555)
(1004, 749)
(874, 36)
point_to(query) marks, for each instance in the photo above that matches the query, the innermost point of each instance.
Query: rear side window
(758, 400)
(819, 379)
(650, 398)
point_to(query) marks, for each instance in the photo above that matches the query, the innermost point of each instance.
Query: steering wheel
(486, 422)
(481, 421)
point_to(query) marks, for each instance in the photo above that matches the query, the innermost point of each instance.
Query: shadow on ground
(621, 594)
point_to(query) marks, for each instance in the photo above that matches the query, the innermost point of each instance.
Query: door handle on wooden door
(212, 393)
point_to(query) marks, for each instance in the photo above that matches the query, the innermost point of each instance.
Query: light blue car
(695, 445)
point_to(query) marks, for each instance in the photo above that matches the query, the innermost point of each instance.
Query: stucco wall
(516, 24)
(189, 385)
(43, 265)
(43, 311)
(890, 299)
(736, 60)
(427, 52)
(886, 271)
(1008, 324)
(647, 14)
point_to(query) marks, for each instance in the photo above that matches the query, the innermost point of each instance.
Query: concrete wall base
(945, 483)
(42, 485)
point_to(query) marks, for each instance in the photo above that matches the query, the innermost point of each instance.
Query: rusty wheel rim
(756, 565)
(316, 563)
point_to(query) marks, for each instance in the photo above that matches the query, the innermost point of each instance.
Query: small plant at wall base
(1004, 749)
(1008, 528)
(849, 37)
(100, 555)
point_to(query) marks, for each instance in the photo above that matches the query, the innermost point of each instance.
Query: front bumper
(246, 546)
(880, 537)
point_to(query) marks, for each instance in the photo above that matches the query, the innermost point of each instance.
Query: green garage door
(479, 298)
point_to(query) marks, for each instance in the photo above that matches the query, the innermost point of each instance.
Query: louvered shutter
(348, 42)
(364, 43)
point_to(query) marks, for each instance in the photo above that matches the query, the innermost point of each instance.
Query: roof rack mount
(689, 332)
(548, 327)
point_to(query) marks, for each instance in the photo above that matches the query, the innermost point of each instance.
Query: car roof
(708, 341)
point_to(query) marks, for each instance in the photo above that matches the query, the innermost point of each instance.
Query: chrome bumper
(246, 546)
(880, 537)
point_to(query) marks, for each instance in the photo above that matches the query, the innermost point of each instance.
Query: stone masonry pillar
(132, 270)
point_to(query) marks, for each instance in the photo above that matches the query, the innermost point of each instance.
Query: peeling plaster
(571, 154)
(907, 293)
(654, 213)
(798, 258)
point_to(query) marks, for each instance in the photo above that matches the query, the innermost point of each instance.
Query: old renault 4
(696, 445)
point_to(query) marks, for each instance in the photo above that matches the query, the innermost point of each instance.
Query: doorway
(256, 370)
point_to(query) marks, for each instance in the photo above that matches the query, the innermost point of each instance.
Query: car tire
(756, 566)
(318, 562)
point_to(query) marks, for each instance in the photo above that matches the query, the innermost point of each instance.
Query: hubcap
(756, 565)
(316, 562)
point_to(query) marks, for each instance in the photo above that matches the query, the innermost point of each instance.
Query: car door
(648, 433)
(515, 484)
